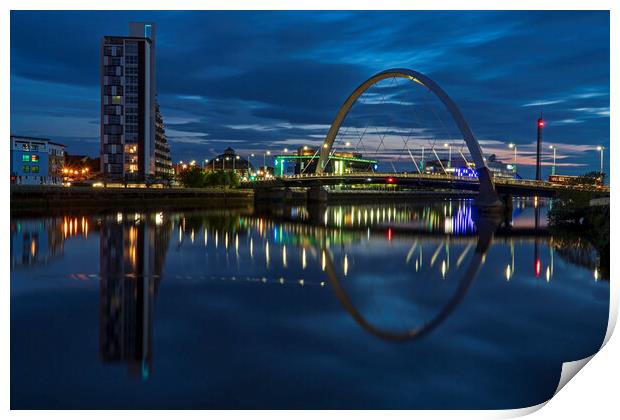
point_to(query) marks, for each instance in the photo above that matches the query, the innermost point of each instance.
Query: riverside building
(36, 161)
(133, 141)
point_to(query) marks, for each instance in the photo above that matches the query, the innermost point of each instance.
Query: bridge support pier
(507, 201)
(488, 200)
(316, 194)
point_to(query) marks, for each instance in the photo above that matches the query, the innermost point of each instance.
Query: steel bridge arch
(487, 194)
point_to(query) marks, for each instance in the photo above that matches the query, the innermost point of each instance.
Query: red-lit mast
(540, 126)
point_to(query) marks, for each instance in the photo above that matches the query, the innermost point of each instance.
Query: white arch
(487, 188)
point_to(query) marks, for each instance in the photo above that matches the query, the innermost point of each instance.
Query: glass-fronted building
(306, 159)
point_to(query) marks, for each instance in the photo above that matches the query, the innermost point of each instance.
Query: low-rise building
(461, 167)
(306, 160)
(500, 169)
(229, 161)
(36, 161)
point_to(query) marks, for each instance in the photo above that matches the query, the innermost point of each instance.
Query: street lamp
(236, 158)
(250, 161)
(514, 146)
(601, 149)
(267, 153)
(449, 146)
(216, 160)
(553, 167)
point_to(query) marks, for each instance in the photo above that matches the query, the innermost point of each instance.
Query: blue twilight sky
(260, 81)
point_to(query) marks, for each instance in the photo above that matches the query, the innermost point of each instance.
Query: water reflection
(486, 226)
(39, 241)
(132, 255)
(399, 271)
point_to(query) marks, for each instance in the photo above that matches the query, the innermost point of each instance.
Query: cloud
(257, 79)
(543, 103)
(568, 121)
(599, 112)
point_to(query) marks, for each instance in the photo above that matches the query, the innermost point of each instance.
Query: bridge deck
(503, 185)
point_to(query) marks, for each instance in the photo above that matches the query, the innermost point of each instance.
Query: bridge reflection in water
(327, 247)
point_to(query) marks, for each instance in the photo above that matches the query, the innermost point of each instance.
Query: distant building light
(466, 172)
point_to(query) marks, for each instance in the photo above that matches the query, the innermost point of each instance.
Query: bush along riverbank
(195, 177)
(578, 214)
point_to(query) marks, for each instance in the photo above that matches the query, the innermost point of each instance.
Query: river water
(356, 306)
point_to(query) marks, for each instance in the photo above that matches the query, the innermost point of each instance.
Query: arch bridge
(487, 196)
(489, 189)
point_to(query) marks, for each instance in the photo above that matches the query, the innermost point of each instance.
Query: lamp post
(206, 163)
(267, 153)
(449, 146)
(224, 163)
(250, 161)
(514, 146)
(601, 149)
(216, 160)
(553, 167)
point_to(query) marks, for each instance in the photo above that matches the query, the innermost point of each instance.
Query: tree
(192, 178)
(232, 179)
(222, 179)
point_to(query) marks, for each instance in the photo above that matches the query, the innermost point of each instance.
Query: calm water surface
(371, 306)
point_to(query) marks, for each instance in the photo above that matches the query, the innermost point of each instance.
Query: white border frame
(594, 394)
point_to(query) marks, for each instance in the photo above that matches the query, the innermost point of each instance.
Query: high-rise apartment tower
(130, 144)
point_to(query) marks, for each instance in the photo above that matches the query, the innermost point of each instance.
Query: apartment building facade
(129, 134)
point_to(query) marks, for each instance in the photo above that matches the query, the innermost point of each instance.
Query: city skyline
(269, 80)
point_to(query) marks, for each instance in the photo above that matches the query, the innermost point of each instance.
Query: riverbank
(28, 199)
(579, 215)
